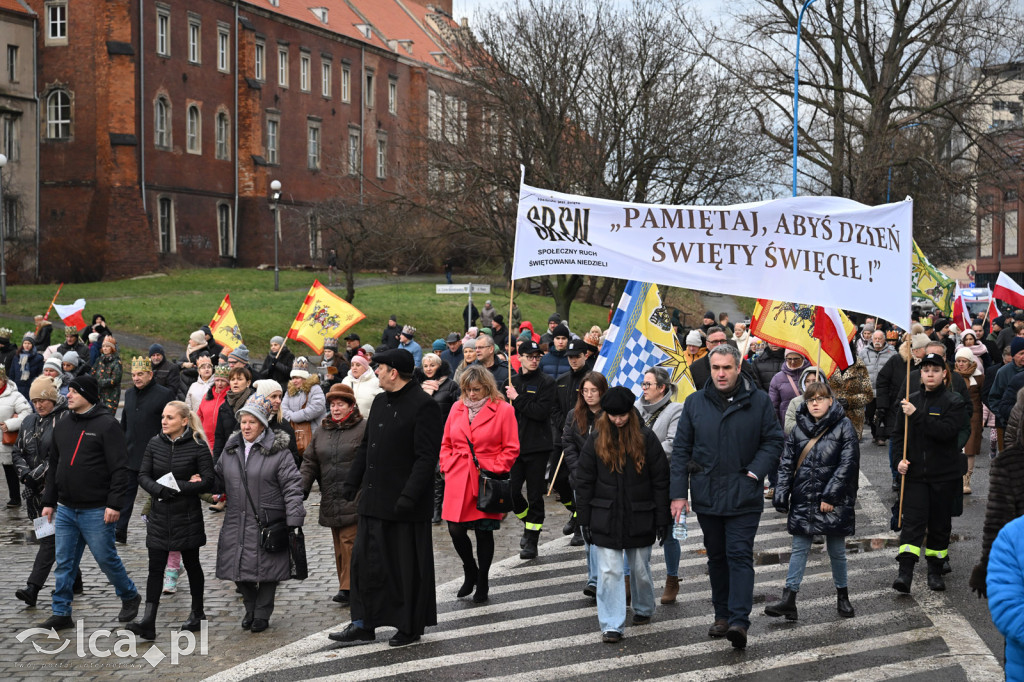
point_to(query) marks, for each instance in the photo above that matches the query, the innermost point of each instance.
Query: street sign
(463, 289)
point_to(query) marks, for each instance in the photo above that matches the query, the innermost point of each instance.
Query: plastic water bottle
(679, 531)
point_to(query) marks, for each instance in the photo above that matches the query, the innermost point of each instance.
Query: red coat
(495, 437)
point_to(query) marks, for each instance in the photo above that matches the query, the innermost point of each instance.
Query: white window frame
(163, 31)
(55, 123)
(193, 130)
(260, 61)
(165, 225)
(225, 235)
(282, 66)
(222, 135)
(346, 83)
(223, 48)
(392, 95)
(195, 40)
(57, 22)
(355, 151)
(273, 140)
(325, 78)
(162, 122)
(305, 66)
(382, 157)
(314, 142)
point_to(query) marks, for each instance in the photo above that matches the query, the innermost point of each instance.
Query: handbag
(303, 432)
(10, 437)
(273, 536)
(495, 493)
(297, 555)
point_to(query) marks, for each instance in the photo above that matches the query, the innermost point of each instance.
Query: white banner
(823, 251)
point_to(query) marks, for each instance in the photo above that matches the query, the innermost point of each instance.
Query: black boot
(482, 587)
(78, 587)
(145, 628)
(577, 538)
(935, 580)
(522, 540)
(570, 526)
(843, 604)
(195, 617)
(28, 594)
(784, 607)
(438, 498)
(906, 574)
(471, 572)
(530, 546)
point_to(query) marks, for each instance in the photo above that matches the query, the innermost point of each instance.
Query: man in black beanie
(89, 477)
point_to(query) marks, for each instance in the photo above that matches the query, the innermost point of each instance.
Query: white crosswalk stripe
(538, 626)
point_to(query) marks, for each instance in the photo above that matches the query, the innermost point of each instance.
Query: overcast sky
(466, 8)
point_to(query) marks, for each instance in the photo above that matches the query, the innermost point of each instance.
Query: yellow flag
(224, 326)
(926, 281)
(790, 325)
(323, 315)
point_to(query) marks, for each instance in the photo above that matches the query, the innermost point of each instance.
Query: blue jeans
(672, 553)
(729, 541)
(611, 585)
(591, 565)
(798, 560)
(77, 528)
(894, 458)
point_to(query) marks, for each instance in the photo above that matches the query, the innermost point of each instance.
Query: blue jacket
(1005, 583)
(414, 348)
(554, 363)
(718, 441)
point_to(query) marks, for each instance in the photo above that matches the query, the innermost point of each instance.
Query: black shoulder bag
(273, 536)
(495, 494)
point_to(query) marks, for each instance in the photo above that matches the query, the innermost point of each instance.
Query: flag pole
(46, 316)
(906, 434)
(508, 329)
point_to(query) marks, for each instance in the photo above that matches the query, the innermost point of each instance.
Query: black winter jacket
(624, 509)
(766, 366)
(1005, 503)
(718, 441)
(573, 441)
(227, 424)
(327, 461)
(80, 348)
(534, 405)
(167, 374)
(397, 456)
(932, 446)
(35, 439)
(446, 394)
(88, 466)
(278, 368)
(567, 387)
(829, 474)
(175, 520)
(140, 418)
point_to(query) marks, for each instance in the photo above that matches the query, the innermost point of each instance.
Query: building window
(193, 131)
(346, 84)
(259, 63)
(57, 22)
(392, 96)
(382, 159)
(163, 32)
(194, 33)
(325, 79)
(162, 123)
(223, 136)
(12, 145)
(313, 146)
(224, 233)
(369, 90)
(273, 135)
(985, 236)
(223, 49)
(58, 115)
(1010, 233)
(282, 67)
(315, 236)
(165, 224)
(354, 152)
(434, 116)
(12, 63)
(10, 216)
(304, 72)
(454, 119)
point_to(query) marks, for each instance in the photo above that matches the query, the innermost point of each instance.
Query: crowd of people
(396, 436)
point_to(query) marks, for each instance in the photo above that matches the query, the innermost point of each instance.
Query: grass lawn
(170, 307)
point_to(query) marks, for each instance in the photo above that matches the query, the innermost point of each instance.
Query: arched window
(223, 136)
(162, 123)
(194, 131)
(58, 115)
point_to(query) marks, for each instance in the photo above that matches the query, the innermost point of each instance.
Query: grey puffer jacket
(666, 419)
(276, 490)
(327, 460)
(875, 360)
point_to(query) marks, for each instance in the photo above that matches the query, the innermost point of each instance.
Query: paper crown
(5, 333)
(221, 371)
(141, 364)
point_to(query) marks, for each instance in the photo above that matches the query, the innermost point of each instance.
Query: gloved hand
(587, 537)
(880, 421)
(305, 495)
(661, 533)
(348, 494)
(167, 493)
(977, 581)
(29, 482)
(404, 505)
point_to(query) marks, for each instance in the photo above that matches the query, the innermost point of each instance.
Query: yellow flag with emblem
(790, 325)
(224, 326)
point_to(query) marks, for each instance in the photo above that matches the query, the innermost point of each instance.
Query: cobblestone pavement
(301, 608)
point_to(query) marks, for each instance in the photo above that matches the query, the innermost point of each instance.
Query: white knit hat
(694, 338)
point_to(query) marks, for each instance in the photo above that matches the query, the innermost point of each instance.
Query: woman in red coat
(483, 418)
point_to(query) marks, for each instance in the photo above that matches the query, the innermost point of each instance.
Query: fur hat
(919, 341)
(694, 338)
(258, 406)
(300, 368)
(340, 391)
(617, 400)
(43, 388)
(86, 386)
(141, 364)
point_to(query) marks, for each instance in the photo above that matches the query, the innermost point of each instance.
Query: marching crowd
(398, 437)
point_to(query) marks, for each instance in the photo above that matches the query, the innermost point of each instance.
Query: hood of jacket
(812, 428)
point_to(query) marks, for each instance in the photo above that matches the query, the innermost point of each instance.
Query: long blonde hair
(194, 423)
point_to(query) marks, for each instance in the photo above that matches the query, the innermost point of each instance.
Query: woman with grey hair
(468, 358)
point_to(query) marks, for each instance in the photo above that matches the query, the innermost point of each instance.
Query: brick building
(1000, 247)
(164, 122)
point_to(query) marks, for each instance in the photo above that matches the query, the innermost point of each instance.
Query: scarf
(237, 400)
(473, 407)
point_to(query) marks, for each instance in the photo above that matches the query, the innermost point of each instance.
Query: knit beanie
(919, 341)
(1016, 345)
(694, 338)
(265, 387)
(43, 388)
(86, 386)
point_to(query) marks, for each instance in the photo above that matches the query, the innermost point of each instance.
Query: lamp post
(796, 88)
(275, 196)
(3, 235)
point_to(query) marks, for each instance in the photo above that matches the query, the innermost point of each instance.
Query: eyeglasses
(648, 384)
(819, 399)
(711, 343)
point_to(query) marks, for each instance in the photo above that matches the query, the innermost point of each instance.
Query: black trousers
(529, 469)
(928, 507)
(155, 578)
(258, 598)
(13, 486)
(128, 506)
(43, 564)
(869, 417)
(564, 489)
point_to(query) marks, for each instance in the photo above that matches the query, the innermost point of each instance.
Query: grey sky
(466, 8)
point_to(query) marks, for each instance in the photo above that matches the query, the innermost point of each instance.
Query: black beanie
(618, 400)
(85, 385)
(561, 330)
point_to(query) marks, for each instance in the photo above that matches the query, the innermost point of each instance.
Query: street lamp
(796, 88)
(275, 196)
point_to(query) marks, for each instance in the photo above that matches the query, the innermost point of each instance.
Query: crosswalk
(539, 626)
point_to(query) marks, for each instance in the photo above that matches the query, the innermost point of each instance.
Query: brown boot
(967, 476)
(671, 590)
(629, 598)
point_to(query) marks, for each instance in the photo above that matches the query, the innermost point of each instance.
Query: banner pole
(46, 316)
(508, 329)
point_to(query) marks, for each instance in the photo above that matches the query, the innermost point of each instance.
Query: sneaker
(170, 581)
(769, 493)
(611, 637)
